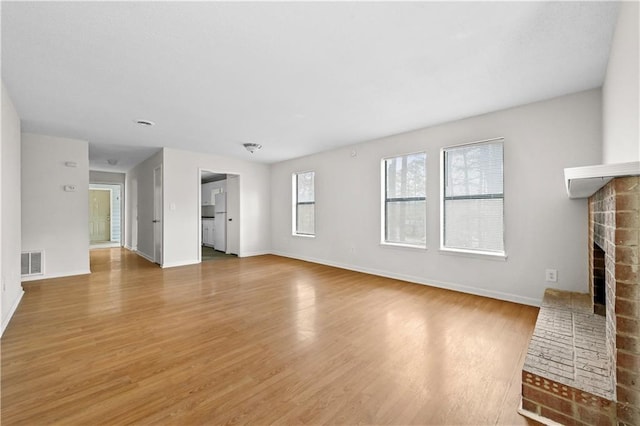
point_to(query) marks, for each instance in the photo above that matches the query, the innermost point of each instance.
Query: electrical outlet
(551, 275)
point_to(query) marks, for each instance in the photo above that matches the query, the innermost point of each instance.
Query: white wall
(54, 220)
(621, 90)
(106, 177)
(182, 189)
(11, 291)
(543, 228)
(139, 206)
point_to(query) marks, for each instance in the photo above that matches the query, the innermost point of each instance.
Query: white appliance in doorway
(220, 222)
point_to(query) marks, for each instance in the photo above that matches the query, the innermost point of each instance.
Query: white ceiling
(297, 78)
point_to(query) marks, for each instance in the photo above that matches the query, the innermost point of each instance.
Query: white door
(233, 214)
(157, 215)
(99, 215)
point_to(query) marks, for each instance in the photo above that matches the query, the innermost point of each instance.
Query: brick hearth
(581, 368)
(566, 374)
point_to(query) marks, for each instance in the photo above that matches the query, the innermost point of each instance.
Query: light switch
(172, 206)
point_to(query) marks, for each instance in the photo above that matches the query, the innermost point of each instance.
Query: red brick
(626, 255)
(541, 397)
(628, 360)
(627, 237)
(628, 343)
(627, 308)
(628, 201)
(626, 325)
(627, 219)
(560, 418)
(595, 417)
(530, 406)
(625, 184)
(627, 290)
(627, 395)
(627, 273)
(628, 415)
(590, 400)
(629, 379)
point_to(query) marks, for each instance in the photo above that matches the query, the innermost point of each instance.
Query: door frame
(199, 208)
(158, 227)
(110, 208)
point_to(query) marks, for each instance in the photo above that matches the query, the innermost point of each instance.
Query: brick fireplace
(583, 362)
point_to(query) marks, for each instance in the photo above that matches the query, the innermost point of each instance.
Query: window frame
(470, 252)
(296, 203)
(385, 200)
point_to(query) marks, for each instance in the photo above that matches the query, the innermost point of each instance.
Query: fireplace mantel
(583, 182)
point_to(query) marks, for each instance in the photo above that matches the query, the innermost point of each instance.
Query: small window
(404, 200)
(305, 203)
(473, 197)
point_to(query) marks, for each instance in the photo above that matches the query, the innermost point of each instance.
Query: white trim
(182, 263)
(583, 182)
(508, 297)
(304, 235)
(383, 200)
(144, 256)
(294, 204)
(533, 416)
(480, 142)
(442, 194)
(59, 275)
(478, 254)
(255, 253)
(158, 257)
(12, 311)
(409, 246)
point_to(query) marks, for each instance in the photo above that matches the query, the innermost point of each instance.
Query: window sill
(489, 255)
(303, 235)
(400, 245)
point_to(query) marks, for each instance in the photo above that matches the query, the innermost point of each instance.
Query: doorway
(218, 209)
(157, 215)
(105, 213)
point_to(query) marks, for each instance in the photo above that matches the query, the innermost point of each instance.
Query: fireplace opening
(599, 287)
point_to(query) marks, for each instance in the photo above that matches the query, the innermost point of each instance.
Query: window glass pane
(405, 199)
(406, 176)
(473, 202)
(474, 224)
(306, 219)
(474, 170)
(406, 222)
(305, 187)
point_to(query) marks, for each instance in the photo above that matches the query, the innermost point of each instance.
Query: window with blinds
(473, 197)
(305, 203)
(405, 188)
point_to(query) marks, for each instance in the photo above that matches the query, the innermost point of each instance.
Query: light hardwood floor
(257, 340)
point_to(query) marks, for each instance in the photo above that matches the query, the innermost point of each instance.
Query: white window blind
(405, 199)
(305, 203)
(474, 197)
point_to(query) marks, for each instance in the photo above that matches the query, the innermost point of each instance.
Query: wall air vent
(31, 263)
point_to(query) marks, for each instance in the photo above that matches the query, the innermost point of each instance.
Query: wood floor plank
(260, 340)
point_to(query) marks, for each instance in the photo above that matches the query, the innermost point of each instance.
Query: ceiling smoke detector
(145, 123)
(252, 147)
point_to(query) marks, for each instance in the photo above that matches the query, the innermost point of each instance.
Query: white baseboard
(12, 311)
(57, 275)
(144, 256)
(254, 253)
(174, 264)
(508, 297)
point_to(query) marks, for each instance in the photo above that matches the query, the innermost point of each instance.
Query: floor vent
(31, 263)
